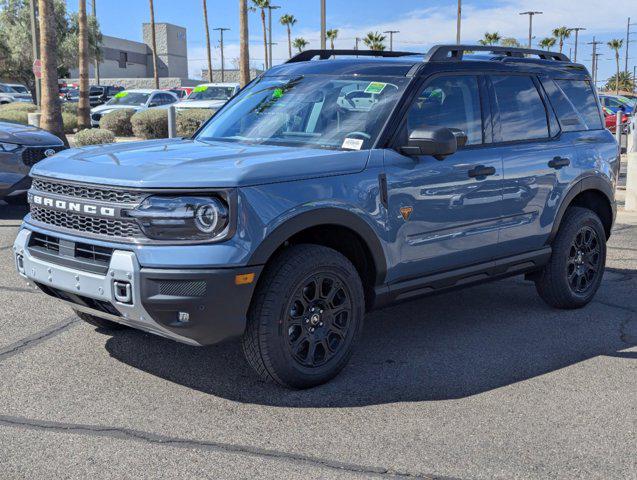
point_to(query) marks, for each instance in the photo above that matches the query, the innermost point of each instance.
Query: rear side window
(522, 111)
(574, 103)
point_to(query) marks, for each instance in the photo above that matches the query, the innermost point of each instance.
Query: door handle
(559, 162)
(481, 171)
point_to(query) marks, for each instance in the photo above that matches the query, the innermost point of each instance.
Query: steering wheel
(366, 136)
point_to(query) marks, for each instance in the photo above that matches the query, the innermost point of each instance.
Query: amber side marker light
(244, 279)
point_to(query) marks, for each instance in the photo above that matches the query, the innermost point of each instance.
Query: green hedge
(69, 122)
(151, 123)
(19, 112)
(118, 122)
(19, 116)
(18, 107)
(189, 121)
(93, 136)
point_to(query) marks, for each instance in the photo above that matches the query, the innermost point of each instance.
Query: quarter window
(575, 104)
(522, 111)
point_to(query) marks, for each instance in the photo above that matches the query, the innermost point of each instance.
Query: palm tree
(561, 33)
(490, 39)
(626, 82)
(84, 108)
(205, 19)
(300, 43)
(616, 45)
(153, 45)
(510, 42)
(547, 43)
(244, 48)
(51, 118)
(332, 34)
(288, 21)
(262, 5)
(374, 40)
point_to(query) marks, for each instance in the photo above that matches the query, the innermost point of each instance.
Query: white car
(14, 92)
(138, 100)
(209, 95)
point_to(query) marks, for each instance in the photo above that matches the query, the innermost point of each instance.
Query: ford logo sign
(49, 152)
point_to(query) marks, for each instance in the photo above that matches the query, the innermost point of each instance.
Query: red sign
(37, 68)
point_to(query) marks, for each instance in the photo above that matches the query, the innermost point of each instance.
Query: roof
(219, 84)
(144, 90)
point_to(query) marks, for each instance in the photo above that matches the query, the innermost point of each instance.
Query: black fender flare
(596, 183)
(323, 216)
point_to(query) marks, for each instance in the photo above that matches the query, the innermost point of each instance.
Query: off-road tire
(99, 322)
(268, 342)
(553, 283)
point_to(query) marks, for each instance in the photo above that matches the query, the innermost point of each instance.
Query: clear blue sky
(421, 23)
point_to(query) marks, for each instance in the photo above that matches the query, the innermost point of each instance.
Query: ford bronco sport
(328, 187)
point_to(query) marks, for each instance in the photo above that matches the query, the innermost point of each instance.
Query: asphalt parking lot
(487, 382)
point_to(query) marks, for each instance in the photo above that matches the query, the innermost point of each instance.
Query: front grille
(32, 155)
(45, 242)
(89, 193)
(80, 223)
(94, 253)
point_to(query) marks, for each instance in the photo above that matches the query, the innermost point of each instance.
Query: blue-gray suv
(334, 184)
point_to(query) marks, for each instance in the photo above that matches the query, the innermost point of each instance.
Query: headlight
(182, 218)
(8, 147)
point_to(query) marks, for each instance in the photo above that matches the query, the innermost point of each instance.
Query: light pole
(530, 13)
(391, 39)
(323, 27)
(221, 30)
(458, 21)
(576, 30)
(270, 8)
(628, 40)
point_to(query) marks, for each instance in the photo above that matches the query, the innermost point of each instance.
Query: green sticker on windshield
(201, 88)
(375, 87)
(278, 93)
(121, 94)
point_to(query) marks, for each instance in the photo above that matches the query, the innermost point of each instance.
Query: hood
(200, 104)
(176, 163)
(26, 135)
(107, 108)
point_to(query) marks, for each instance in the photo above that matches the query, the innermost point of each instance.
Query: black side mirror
(439, 142)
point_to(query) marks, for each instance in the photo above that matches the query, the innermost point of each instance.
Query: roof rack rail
(325, 54)
(441, 53)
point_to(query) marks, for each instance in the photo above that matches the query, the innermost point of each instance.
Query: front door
(444, 214)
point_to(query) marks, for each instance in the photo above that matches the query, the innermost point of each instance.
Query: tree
(374, 40)
(262, 5)
(84, 107)
(547, 43)
(510, 42)
(300, 43)
(332, 35)
(561, 33)
(153, 45)
(490, 39)
(51, 110)
(205, 19)
(288, 21)
(244, 48)
(626, 82)
(616, 45)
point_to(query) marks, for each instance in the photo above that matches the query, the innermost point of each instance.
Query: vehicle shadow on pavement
(13, 212)
(437, 348)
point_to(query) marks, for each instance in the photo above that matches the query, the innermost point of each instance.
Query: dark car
(21, 147)
(100, 94)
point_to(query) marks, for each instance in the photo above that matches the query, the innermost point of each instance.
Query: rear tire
(99, 322)
(575, 270)
(305, 318)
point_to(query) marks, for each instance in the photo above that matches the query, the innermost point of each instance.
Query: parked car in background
(21, 147)
(614, 103)
(610, 119)
(138, 99)
(100, 94)
(209, 95)
(14, 92)
(72, 95)
(181, 92)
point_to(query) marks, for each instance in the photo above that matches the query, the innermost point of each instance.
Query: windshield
(129, 98)
(312, 111)
(204, 92)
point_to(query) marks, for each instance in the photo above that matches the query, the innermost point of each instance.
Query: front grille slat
(32, 155)
(91, 225)
(88, 192)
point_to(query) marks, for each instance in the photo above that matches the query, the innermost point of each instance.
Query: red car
(181, 92)
(611, 119)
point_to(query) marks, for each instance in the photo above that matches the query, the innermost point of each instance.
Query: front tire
(574, 273)
(305, 318)
(99, 322)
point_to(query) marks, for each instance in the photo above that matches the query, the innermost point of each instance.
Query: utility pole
(458, 22)
(97, 62)
(391, 38)
(628, 40)
(323, 27)
(270, 8)
(223, 69)
(576, 30)
(594, 43)
(35, 40)
(207, 29)
(530, 13)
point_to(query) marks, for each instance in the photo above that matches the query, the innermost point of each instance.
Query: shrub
(19, 116)
(189, 121)
(69, 122)
(93, 136)
(151, 123)
(18, 107)
(118, 122)
(69, 107)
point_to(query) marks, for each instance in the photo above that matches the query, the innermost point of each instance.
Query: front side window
(522, 111)
(452, 102)
(319, 111)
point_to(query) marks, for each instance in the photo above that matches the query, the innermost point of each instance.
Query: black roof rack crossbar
(441, 53)
(325, 54)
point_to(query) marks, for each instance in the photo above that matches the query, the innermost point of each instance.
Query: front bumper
(194, 306)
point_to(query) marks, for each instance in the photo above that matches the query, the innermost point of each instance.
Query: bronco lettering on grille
(72, 206)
